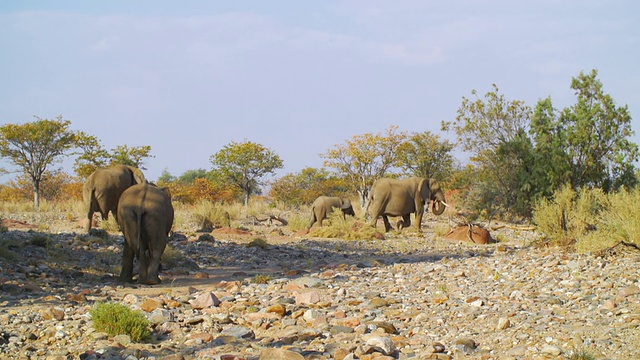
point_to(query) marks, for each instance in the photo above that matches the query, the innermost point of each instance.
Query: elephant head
(437, 196)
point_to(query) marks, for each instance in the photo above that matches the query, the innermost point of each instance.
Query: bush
(117, 319)
(589, 220)
(209, 215)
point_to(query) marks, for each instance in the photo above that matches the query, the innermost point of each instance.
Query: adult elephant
(323, 206)
(145, 215)
(103, 188)
(393, 197)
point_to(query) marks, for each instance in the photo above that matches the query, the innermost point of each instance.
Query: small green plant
(262, 278)
(117, 319)
(40, 240)
(3, 228)
(581, 355)
(6, 253)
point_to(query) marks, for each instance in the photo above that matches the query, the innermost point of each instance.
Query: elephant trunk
(438, 207)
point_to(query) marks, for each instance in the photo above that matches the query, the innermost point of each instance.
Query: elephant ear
(423, 190)
(345, 204)
(138, 176)
(166, 191)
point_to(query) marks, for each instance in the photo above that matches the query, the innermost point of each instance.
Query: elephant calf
(324, 205)
(145, 215)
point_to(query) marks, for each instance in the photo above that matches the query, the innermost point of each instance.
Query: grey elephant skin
(145, 215)
(393, 197)
(323, 206)
(102, 190)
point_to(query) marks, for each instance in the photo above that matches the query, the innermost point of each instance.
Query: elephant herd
(145, 214)
(389, 197)
(143, 211)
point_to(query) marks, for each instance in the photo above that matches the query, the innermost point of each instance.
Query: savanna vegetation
(570, 171)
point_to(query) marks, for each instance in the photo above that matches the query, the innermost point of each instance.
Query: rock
(204, 301)
(382, 345)
(279, 354)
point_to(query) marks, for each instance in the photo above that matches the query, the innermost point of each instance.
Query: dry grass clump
(348, 229)
(299, 220)
(210, 215)
(259, 243)
(588, 219)
(172, 257)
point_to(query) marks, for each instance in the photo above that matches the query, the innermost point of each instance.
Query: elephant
(393, 197)
(145, 215)
(324, 205)
(102, 190)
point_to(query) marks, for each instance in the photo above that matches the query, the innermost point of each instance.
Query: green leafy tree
(494, 131)
(94, 156)
(305, 186)
(132, 156)
(245, 164)
(35, 146)
(426, 155)
(587, 144)
(365, 158)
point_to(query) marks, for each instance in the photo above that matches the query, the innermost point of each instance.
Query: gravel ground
(226, 296)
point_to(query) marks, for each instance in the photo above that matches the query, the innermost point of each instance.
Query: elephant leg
(143, 262)
(387, 224)
(126, 273)
(419, 219)
(155, 255)
(405, 222)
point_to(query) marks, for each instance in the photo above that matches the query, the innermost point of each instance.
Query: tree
(365, 158)
(35, 146)
(245, 164)
(587, 144)
(494, 130)
(94, 156)
(305, 186)
(426, 155)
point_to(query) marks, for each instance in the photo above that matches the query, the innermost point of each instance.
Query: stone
(279, 354)
(205, 300)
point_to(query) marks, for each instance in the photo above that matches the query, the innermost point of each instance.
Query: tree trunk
(36, 193)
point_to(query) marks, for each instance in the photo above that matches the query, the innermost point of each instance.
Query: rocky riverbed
(230, 296)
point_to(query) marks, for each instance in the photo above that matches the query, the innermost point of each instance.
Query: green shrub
(117, 319)
(590, 220)
(40, 240)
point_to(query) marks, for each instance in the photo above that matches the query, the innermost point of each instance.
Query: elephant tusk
(443, 203)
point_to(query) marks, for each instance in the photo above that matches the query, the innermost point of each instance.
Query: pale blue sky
(299, 77)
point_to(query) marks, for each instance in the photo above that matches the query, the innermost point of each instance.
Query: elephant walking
(323, 206)
(393, 197)
(145, 215)
(102, 190)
